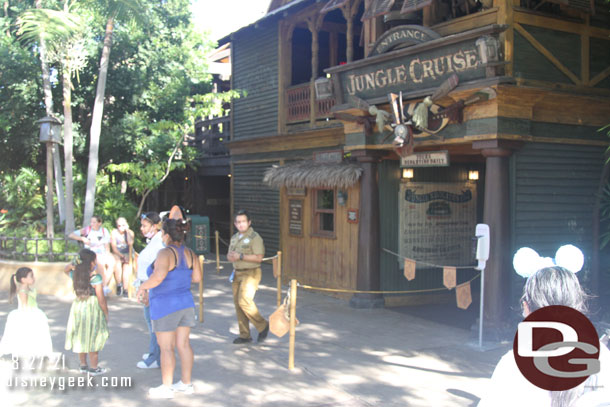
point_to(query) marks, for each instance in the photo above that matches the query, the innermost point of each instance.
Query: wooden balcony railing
(298, 107)
(211, 135)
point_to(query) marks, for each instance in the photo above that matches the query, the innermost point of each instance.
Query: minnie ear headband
(527, 262)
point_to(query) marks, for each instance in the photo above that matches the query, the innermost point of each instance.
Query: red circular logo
(556, 348)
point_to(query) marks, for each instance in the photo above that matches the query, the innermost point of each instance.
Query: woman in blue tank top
(172, 309)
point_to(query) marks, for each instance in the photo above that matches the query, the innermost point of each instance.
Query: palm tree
(63, 32)
(129, 9)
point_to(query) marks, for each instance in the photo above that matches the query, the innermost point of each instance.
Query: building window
(324, 212)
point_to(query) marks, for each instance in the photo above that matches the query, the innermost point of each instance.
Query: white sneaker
(106, 291)
(183, 388)
(145, 356)
(142, 365)
(161, 392)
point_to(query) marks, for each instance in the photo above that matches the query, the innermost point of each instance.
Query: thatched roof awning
(313, 175)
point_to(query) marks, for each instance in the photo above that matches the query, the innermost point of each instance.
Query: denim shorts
(183, 317)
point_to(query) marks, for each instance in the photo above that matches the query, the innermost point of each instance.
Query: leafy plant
(22, 198)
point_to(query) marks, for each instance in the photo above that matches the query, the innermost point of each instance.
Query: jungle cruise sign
(423, 60)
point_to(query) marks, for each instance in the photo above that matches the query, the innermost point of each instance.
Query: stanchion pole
(293, 322)
(217, 252)
(279, 278)
(201, 261)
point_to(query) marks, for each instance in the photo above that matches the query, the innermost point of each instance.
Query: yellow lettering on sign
(414, 78)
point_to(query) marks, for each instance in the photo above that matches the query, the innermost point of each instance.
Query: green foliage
(157, 86)
(111, 203)
(20, 103)
(22, 198)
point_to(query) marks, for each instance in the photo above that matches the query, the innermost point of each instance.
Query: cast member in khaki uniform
(246, 251)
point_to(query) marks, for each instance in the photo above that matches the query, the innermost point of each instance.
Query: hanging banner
(449, 277)
(463, 295)
(409, 267)
(437, 222)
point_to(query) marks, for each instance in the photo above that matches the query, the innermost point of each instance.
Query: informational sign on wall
(437, 222)
(295, 224)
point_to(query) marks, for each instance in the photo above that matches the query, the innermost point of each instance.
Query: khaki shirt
(250, 243)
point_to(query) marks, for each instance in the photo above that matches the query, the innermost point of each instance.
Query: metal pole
(279, 278)
(59, 186)
(50, 232)
(293, 319)
(217, 253)
(201, 261)
(481, 308)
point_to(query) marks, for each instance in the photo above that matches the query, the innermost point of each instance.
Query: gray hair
(554, 286)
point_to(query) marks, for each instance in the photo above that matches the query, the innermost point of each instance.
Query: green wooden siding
(391, 273)
(255, 70)
(564, 46)
(531, 64)
(554, 187)
(599, 59)
(259, 200)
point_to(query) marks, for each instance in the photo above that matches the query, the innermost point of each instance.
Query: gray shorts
(183, 317)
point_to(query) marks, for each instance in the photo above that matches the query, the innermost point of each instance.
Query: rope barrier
(340, 290)
(212, 237)
(228, 262)
(428, 264)
(214, 262)
(269, 258)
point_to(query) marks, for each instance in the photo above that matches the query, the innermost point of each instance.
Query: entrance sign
(437, 221)
(402, 36)
(422, 66)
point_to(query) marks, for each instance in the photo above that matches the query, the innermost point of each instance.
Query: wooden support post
(279, 278)
(349, 11)
(201, 261)
(217, 252)
(293, 322)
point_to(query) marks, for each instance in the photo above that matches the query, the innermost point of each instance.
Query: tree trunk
(96, 123)
(67, 93)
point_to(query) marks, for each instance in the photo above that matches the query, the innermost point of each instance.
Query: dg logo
(556, 348)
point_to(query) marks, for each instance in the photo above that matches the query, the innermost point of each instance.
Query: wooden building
(205, 191)
(517, 91)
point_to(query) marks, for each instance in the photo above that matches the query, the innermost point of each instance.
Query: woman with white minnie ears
(548, 283)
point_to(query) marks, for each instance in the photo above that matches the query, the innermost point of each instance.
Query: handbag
(279, 321)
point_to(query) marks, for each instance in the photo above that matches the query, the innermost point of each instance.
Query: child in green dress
(87, 329)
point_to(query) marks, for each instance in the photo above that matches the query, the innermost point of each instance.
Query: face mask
(150, 234)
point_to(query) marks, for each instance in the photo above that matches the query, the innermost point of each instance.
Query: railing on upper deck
(211, 135)
(298, 107)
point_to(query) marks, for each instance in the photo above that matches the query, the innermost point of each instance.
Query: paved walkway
(344, 358)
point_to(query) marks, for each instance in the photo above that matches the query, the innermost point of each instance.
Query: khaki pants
(245, 284)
